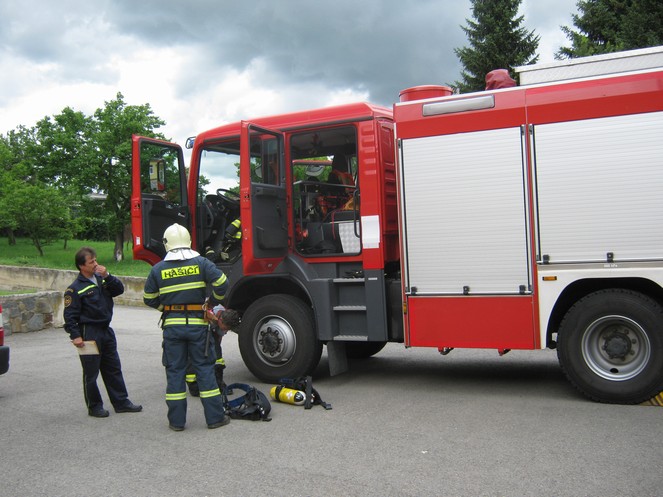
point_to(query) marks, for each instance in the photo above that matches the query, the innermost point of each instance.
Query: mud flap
(338, 359)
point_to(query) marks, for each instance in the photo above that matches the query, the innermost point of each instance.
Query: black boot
(218, 372)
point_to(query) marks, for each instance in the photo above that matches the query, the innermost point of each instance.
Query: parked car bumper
(4, 359)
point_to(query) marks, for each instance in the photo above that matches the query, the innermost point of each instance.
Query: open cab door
(158, 195)
(262, 199)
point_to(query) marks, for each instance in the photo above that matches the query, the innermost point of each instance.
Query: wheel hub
(617, 345)
(274, 340)
(616, 348)
(270, 341)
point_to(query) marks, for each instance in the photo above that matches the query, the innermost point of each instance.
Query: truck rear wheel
(610, 346)
(277, 338)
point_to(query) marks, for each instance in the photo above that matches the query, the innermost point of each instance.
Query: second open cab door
(158, 195)
(262, 199)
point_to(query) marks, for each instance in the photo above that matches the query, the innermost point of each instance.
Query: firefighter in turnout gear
(232, 236)
(177, 286)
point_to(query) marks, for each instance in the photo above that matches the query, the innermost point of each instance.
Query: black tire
(363, 350)
(277, 338)
(610, 346)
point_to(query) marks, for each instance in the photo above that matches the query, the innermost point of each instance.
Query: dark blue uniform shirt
(88, 304)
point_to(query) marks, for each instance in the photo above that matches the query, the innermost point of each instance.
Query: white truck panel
(595, 65)
(600, 188)
(464, 213)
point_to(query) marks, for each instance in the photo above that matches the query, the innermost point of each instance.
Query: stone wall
(31, 311)
(25, 312)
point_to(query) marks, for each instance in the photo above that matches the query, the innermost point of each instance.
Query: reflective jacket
(184, 283)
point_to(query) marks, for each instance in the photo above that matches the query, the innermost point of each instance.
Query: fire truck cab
(521, 218)
(319, 236)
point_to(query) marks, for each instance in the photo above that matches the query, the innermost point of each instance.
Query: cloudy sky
(200, 63)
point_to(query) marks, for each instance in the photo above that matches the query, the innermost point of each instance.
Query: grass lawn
(56, 256)
(15, 292)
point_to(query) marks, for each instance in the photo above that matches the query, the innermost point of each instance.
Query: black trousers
(108, 364)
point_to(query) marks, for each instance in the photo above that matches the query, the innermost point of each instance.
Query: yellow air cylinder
(288, 395)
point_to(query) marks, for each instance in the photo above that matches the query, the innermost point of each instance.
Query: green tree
(60, 146)
(605, 26)
(16, 167)
(36, 172)
(108, 158)
(39, 210)
(643, 25)
(71, 156)
(20, 150)
(497, 40)
(5, 168)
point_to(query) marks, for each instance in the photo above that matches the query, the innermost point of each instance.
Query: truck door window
(265, 161)
(326, 192)
(268, 211)
(159, 173)
(218, 201)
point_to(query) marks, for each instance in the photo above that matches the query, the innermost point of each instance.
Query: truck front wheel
(277, 338)
(610, 346)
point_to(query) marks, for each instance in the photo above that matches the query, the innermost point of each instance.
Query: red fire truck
(521, 218)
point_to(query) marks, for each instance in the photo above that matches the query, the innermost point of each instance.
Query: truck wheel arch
(251, 288)
(581, 288)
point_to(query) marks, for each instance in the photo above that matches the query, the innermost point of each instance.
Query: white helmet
(176, 236)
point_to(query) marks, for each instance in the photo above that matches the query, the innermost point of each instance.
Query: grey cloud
(383, 46)
(69, 37)
(377, 46)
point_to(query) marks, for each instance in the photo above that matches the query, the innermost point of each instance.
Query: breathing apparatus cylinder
(288, 395)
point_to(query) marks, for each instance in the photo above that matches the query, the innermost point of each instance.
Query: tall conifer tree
(497, 40)
(605, 26)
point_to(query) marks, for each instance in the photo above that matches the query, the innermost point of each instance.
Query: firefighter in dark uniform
(178, 286)
(88, 310)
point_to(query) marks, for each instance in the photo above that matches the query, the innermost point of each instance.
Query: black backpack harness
(305, 384)
(253, 405)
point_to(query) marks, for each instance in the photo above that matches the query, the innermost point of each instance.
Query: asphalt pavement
(408, 422)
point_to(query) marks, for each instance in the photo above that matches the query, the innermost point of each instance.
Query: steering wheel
(229, 197)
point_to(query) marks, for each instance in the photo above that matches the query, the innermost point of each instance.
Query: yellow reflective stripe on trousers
(210, 393)
(184, 321)
(220, 361)
(184, 286)
(190, 378)
(176, 396)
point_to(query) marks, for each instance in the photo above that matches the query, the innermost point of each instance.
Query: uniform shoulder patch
(67, 300)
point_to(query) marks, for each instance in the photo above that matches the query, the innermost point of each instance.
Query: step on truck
(523, 218)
